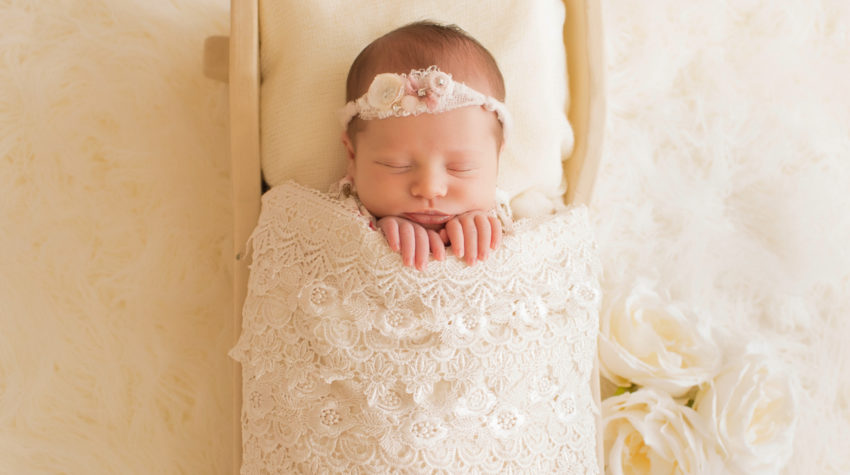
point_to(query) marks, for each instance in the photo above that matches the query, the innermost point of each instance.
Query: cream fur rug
(114, 239)
(726, 156)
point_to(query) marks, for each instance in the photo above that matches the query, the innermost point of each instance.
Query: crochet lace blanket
(353, 363)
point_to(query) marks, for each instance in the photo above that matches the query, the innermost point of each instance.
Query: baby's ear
(349, 146)
(499, 153)
(349, 151)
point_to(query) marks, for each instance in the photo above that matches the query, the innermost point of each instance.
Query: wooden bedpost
(586, 72)
(244, 94)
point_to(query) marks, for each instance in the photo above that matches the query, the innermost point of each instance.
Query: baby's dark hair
(422, 44)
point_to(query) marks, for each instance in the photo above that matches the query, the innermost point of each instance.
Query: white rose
(648, 340)
(385, 90)
(752, 408)
(648, 432)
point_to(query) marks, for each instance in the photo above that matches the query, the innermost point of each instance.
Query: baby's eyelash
(394, 166)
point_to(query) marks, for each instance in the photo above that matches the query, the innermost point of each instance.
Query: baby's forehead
(462, 128)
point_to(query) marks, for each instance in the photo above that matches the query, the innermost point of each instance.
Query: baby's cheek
(481, 196)
(379, 200)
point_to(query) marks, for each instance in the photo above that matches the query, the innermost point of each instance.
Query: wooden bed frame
(236, 59)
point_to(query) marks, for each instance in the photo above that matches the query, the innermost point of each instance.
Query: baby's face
(428, 168)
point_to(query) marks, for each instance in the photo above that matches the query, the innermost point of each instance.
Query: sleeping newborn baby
(355, 363)
(423, 145)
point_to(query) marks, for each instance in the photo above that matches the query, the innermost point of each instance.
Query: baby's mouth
(429, 219)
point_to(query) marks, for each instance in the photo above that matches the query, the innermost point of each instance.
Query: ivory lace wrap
(353, 363)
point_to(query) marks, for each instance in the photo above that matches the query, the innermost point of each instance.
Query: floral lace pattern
(353, 363)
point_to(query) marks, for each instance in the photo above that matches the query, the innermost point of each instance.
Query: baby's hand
(413, 241)
(473, 235)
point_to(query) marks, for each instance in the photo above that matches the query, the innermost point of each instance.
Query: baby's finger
(470, 240)
(407, 242)
(438, 249)
(482, 224)
(455, 233)
(421, 251)
(390, 229)
(444, 236)
(496, 235)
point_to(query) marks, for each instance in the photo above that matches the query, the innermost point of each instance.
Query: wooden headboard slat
(244, 100)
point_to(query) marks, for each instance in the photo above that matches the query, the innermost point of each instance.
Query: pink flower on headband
(438, 86)
(439, 83)
(412, 93)
(412, 86)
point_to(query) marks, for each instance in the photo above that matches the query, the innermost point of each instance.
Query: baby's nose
(430, 184)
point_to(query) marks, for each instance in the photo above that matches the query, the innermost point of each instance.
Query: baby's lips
(429, 220)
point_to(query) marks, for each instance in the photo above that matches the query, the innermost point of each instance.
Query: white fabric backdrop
(725, 157)
(725, 170)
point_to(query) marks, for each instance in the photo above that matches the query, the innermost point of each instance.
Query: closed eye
(461, 169)
(395, 166)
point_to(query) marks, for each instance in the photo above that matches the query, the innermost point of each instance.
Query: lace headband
(421, 91)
